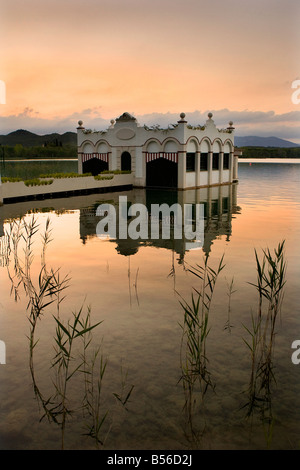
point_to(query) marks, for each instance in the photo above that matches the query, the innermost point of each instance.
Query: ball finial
(210, 115)
(182, 115)
(80, 123)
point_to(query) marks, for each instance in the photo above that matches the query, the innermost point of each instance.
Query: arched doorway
(161, 173)
(126, 161)
(94, 166)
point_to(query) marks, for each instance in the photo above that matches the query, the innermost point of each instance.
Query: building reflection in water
(219, 203)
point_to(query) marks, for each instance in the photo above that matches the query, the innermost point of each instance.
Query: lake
(137, 380)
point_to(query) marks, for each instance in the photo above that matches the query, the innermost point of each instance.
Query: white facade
(181, 156)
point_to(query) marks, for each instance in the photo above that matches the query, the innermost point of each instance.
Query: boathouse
(180, 156)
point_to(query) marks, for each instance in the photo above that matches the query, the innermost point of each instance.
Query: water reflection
(271, 280)
(220, 206)
(201, 421)
(84, 363)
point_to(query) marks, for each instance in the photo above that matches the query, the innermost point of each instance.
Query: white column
(197, 168)
(113, 159)
(209, 167)
(80, 170)
(235, 167)
(139, 157)
(181, 169)
(221, 162)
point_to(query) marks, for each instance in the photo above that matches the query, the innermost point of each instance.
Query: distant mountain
(29, 139)
(254, 141)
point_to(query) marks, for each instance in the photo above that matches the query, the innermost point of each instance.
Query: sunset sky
(65, 60)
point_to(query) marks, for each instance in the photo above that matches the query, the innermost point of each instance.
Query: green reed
(231, 291)
(94, 371)
(196, 377)
(68, 363)
(195, 325)
(45, 292)
(271, 279)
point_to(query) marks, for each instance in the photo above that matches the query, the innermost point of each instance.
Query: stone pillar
(230, 167)
(236, 155)
(113, 159)
(79, 129)
(235, 167)
(80, 169)
(221, 162)
(181, 169)
(209, 167)
(197, 169)
(139, 157)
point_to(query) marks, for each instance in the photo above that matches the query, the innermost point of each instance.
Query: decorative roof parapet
(126, 117)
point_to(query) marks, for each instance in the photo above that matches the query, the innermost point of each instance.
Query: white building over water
(180, 156)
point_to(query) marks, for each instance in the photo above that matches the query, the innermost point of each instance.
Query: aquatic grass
(94, 371)
(126, 390)
(270, 283)
(64, 361)
(49, 285)
(195, 330)
(68, 364)
(228, 326)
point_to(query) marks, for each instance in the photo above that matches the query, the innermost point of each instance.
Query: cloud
(265, 124)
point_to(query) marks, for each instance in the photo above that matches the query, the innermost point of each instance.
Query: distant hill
(254, 141)
(29, 139)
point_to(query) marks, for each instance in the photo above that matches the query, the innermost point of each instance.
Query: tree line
(18, 151)
(270, 152)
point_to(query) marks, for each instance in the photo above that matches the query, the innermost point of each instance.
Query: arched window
(126, 161)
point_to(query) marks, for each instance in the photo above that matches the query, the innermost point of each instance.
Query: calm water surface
(134, 288)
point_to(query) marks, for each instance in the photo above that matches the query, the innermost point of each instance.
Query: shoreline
(269, 160)
(41, 160)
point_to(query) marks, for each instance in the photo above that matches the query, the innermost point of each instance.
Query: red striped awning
(100, 156)
(171, 156)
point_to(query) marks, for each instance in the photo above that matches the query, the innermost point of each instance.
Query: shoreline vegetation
(269, 152)
(66, 152)
(46, 179)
